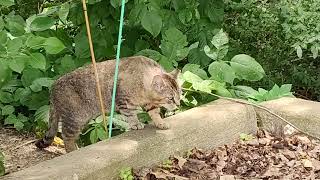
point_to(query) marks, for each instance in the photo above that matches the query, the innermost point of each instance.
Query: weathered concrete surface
(209, 126)
(302, 113)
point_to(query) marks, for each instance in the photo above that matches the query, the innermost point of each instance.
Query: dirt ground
(264, 157)
(20, 151)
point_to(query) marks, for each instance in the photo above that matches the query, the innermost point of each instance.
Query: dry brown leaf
(181, 161)
(307, 164)
(227, 177)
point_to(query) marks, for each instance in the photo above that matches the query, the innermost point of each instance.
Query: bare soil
(20, 151)
(264, 157)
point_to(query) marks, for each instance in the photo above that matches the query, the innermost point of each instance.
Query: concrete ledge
(301, 113)
(208, 126)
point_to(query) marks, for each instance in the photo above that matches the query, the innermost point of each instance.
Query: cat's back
(131, 67)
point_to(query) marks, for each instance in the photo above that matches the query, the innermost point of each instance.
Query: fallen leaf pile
(264, 157)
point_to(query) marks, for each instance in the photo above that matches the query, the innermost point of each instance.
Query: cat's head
(167, 89)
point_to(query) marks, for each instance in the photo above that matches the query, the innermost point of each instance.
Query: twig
(257, 106)
(24, 144)
(99, 91)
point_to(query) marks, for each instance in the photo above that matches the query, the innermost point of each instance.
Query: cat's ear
(175, 73)
(158, 83)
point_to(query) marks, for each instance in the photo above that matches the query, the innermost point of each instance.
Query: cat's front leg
(157, 120)
(130, 116)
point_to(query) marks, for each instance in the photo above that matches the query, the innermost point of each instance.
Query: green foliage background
(230, 48)
(284, 36)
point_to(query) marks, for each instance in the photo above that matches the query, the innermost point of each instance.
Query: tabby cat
(141, 83)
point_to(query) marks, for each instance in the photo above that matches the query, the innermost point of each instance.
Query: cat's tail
(51, 133)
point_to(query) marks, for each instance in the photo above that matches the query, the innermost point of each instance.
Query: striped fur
(142, 83)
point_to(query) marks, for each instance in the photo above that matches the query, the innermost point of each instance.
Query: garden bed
(264, 157)
(21, 153)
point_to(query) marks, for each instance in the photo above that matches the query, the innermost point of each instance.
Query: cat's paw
(136, 126)
(162, 125)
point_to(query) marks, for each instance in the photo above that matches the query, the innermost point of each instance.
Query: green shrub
(283, 36)
(185, 34)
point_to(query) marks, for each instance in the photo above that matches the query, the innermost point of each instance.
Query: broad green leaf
(222, 52)
(94, 136)
(41, 23)
(166, 63)
(11, 85)
(64, 11)
(37, 84)
(198, 56)
(137, 12)
(3, 37)
(155, 55)
(152, 22)
(38, 61)
(67, 64)
(18, 125)
(101, 133)
(5, 72)
(81, 45)
(7, 3)
(185, 16)
(6, 97)
(203, 86)
(11, 119)
(222, 91)
(42, 114)
(141, 44)
(173, 45)
(36, 100)
(214, 85)
(195, 68)
(191, 78)
(14, 45)
(21, 95)
(15, 25)
(211, 53)
(215, 11)
(99, 119)
(3, 50)
(220, 39)
(274, 93)
(35, 42)
(244, 91)
(48, 11)
(247, 68)
(19, 62)
(29, 75)
(22, 118)
(221, 72)
(285, 89)
(7, 110)
(53, 45)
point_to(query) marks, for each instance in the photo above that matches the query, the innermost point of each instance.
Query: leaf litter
(261, 157)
